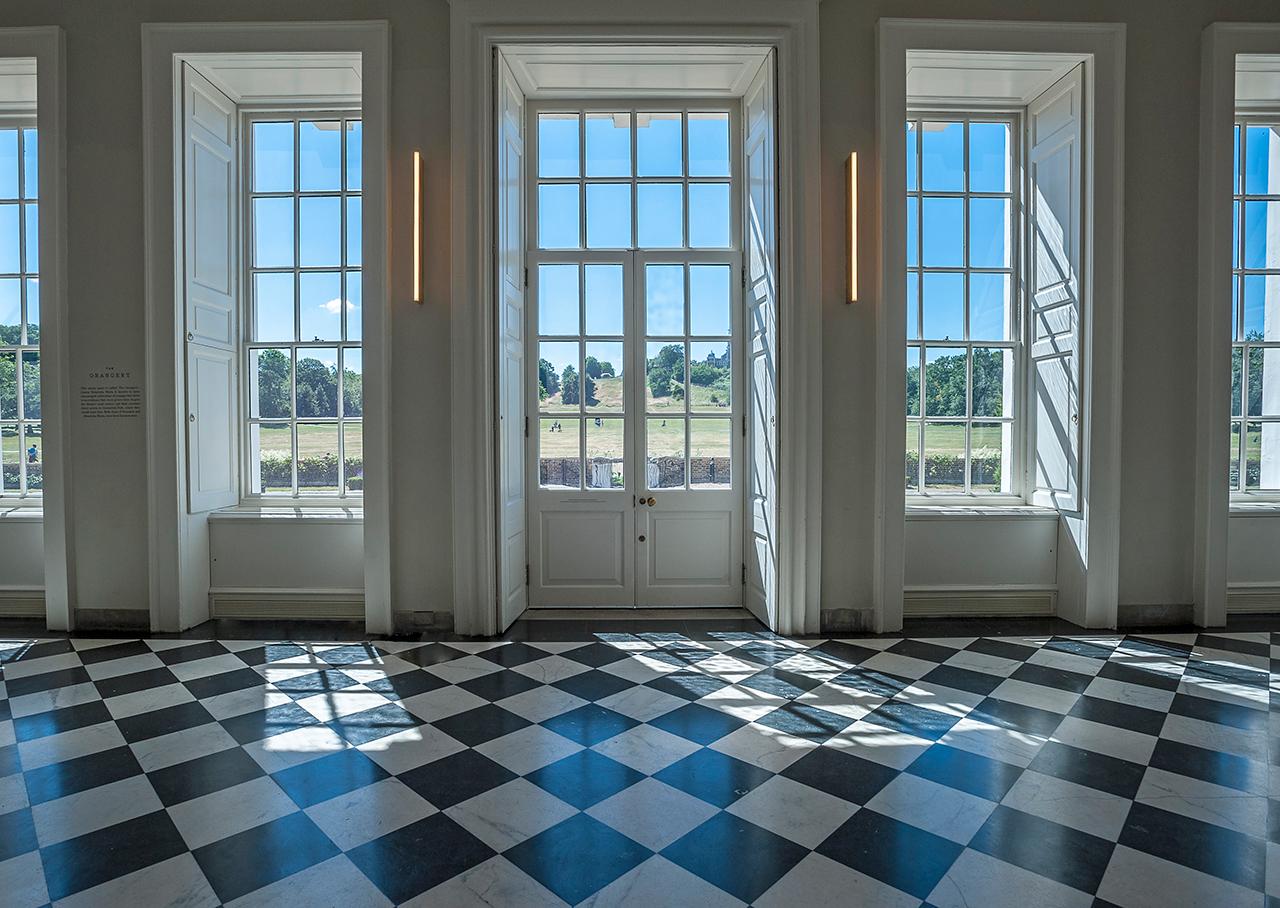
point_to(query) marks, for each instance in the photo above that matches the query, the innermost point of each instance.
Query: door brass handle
(652, 502)
(642, 539)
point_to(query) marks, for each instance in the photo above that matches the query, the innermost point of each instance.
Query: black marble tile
(595, 654)
(1212, 849)
(781, 683)
(689, 684)
(912, 720)
(351, 654)
(1232, 714)
(456, 778)
(577, 857)
(1002, 649)
(809, 723)
(1228, 770)
(513, 654)
(1071, 857)
(872, 681)
(321, 682)
(418, 857)
(203, 775)
(964, 771)
(406, 684)
(97, 654)
(32, 650)
(267, 723)
(919, 649)
(498, 685)
(698, 723)
(34, 684)
(163, 721)
(593, 685)
(431, 654)
(17, 833)
(963, 679)
(1080, 648)
(132, 683)
(840, 773)
(842, 653)
(584, 778)
(714, 777)
(1120, 715)
(9, 761)
(94, 858)
(327, 777)
(61, 779)
(1164, 648)
(896, 853)
(28, 728)
(249, 860)
(270, 652)
(1088, 768)
(371, 724)
(589, 724)
(1056, 678)
(484, 723)
(224, 683)
(1016, 717)
(715, 852)
(1243, 675)
(181, 654)
(1137, 673)
(1233, 645)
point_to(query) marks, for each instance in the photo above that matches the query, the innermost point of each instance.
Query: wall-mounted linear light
(417, 227)
(851, 224)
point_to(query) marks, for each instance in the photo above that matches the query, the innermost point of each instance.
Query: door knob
(652, 502)
(642, 539)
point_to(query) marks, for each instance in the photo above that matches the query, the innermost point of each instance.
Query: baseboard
(113, 619)
(1253, 599)
(979, 603)
(286, 604)
(847, 620)
(1155, 615)
(419, 622)
(17, 602)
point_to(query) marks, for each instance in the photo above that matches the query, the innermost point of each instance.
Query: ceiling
(251, 78)
(587, 71)
(1257, 79)
(18, 84)
(942, 77)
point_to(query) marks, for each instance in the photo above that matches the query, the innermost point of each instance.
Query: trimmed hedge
(948, 470)
(13, 480)
(313, 472)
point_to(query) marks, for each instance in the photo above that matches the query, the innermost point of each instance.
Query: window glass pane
(710, 376)
(272, 233)
(558, 145)
(664, 300)
(1261, 154)
(353, 455)
(317, 457)
(709, 299)
(664, 453)
(352, 382)
(1237, 388)
(273, 306)
(989, 445)
(608, 215)
(605, 453)
(558, 216)
(33, 310)
(942, 157)
(659, 145)
(708, 144)
(10, 240)
(355, 309)
(320, 299)
(558, 380)
(710, 443)
(30, 164)
(913, 381)
(317, 382)
(1264, 382)
(272, 157)
(319, 155)
(608, 144)
(990, 307)
(33, 238)
(320, 232)
(913, 456)
(664, 377)
(8, 163)
(354, 224)
(10, 457)
(992, 382)
(33, 455)
(1234, 456)
(31, 384)
(943, 232)
(1235, 308)
(558, 299)
(604, 299)
(8, 384)
(271, 451)
(989, 233)
(10, 311)
(989, 157)
(355, 155)
(944, 456)
(944, 306)
(271, 384)
(945, 382)
(1235, 158)
(1262, 307)
(559, 453)
(659, 215)
(1235, 234)
(913, 304)
(1261, 234)
(1261, 439)
(913, 232)
(603, 379)
(913, 156)
(709, 215)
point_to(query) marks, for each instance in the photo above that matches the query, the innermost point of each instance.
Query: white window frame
(1017, 485)
(295, 113)
(23, 496)
(1240, 493)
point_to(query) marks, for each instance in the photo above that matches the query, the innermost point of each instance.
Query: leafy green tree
(548, 381)
(352, 393)
(569, 385)
(592, 366)
(1255, 378)
(317, 388)
(273, 384)
(666, 372)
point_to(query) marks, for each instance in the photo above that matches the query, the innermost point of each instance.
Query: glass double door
(636, 428)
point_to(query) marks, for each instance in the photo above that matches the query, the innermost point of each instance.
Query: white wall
(1253, 550)
(981, 552)
(105, 289)
(21, 552)
(285, 554)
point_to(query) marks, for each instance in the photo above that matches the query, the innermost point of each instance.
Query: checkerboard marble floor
(642, 769)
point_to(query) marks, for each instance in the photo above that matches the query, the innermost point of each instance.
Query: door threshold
(716, 613)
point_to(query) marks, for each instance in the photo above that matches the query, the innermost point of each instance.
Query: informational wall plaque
(110, 393)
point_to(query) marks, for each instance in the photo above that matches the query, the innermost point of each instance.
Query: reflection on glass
(352, 383)
(659, 145)
(355, 305)
(272, 157)
(320, 231)
(988, 457)
(1237, 388)
(989, 233)
(1264, 381)
(659, 215)
(945, 382)
(355, 155)
(709, 299)
(710, 375)
(1261, 239)
(30, 163)
(664, 453)
(32, 260)
(559, 453)
(558, 216)
(271, 449)
(710, 442)
(317, 382)
(320, 305)
(8, 384)
(942, 157)
(913, 381)
(30, 384)
(708, 144)
(608, 215)
(664, 377)
(603, 381)
(10, 240)
(944, 445)
(943, 232)
(273, 306)
(317, 457)
(913, 156)
(271, 391)
(605, 453)
(557, 299)
(8, 163)
(913, 304)
(354, 250)
(1262, 148)
(608, 138)
(33, 455)
(913, 456)
(1233, 456)
(559, 385)
(989, 157)
(913, 232)
(557, 145)
(10, 310)
(709, 215)
(10, 459)
(33, 310)
(353, 456)
(990, 307)
(992, 382)
(272, 233)
(944, 306)
(664, 300)
(603, 299)
(319, 155)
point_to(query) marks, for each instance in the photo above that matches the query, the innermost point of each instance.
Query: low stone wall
(567, 471)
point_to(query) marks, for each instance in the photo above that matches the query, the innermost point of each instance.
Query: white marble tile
(177, 881)
(745, 703)
(983, 662)
(22, 881)
(652, 813)
(541, 703)
(638, 668)
(495, 883)
(528, 748)
(1204, 801)
(1252, 744)
(765, 747)
(641, 703)
(145, 701)
(55, 698)
(978, 879)
(843, 701)
(1069, 804)
(68, 745)
(1004, 744)
(442, 702)
(1136, 879)
(93, 809)
(794, 811)
(1012, 690)
(1106, 739)
(181, 746)
(337, 704)
(464, 669)
(944, 811)
(646, 748)
(939, 698)
(114, 668)
(410, 748)
(658, 883)
(820, 881)
(1070, 662)
(507, 815)
(551, 669)
(897, 664)
(369, 813)
(220, 814)
(879, 744)
(240, 702)
(336, 881)
(1131, 694)
(13, 793)
(293, 747)
(42, 666)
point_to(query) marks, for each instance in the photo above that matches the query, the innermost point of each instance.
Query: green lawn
(948, 439)
(609, 393)
(313, 441)
(708, 437)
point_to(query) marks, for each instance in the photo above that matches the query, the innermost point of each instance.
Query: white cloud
(334, 306)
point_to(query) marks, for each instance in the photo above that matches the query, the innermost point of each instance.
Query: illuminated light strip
(851, 225)
(417, 227)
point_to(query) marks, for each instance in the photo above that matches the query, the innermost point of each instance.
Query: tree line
(317, 387)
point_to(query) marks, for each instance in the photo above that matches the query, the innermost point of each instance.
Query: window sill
(21, 512)
(1264, 508)
(951, 511)
(310, 514)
